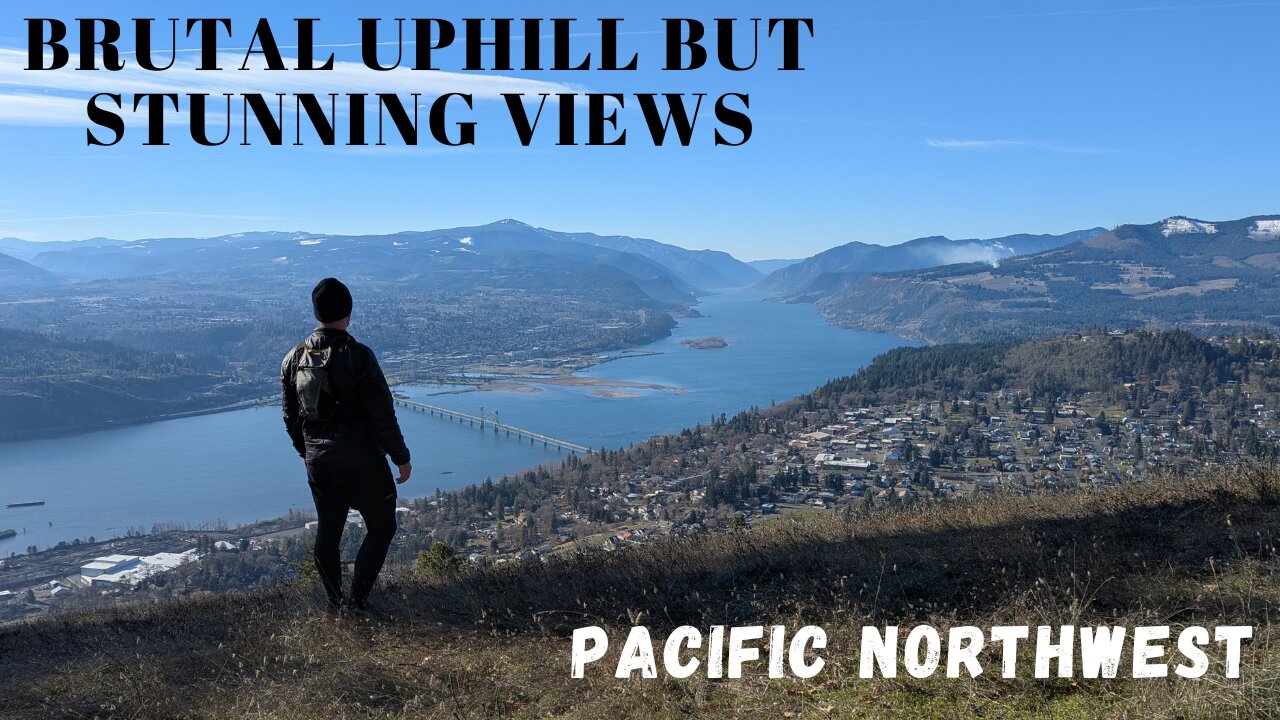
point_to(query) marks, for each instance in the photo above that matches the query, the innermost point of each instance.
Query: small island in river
(706, 343)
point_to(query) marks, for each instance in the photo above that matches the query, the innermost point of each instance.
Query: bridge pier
(482, 422)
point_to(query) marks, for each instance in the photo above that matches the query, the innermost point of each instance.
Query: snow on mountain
(1265, 230)
(1185, 226)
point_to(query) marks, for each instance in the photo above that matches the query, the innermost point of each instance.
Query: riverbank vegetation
(714, 342)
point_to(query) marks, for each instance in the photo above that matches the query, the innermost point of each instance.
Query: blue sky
(972, 119)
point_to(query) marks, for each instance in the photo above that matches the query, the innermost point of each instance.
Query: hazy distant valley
(129, 331)
(212, 317)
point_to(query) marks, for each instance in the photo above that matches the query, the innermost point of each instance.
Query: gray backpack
(312, 379)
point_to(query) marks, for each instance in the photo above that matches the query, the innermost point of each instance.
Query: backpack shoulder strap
(343, 343)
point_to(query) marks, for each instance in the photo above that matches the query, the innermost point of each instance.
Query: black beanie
(331, 300)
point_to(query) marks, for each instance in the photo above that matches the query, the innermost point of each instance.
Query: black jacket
(364, 427)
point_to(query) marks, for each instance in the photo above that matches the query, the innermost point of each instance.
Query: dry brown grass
(494, 643)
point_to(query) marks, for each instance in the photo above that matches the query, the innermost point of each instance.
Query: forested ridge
(1090, 361)
(50, 384)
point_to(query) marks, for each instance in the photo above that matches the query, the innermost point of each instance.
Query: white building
(140, 568)
(109, 564)
(851, 465)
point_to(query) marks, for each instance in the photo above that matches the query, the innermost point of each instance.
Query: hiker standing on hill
(341, 417)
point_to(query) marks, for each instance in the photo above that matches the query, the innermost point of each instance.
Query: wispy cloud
(986, 145)
(34, 109)
(974, 144)
(57, 97)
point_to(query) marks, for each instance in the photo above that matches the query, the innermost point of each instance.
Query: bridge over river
(482, 421)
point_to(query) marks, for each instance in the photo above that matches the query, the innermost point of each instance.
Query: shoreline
(121, 424)
(525, 380)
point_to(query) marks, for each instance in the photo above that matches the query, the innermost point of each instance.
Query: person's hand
(405, 471)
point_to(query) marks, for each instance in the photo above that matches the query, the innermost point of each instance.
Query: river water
(239, 467)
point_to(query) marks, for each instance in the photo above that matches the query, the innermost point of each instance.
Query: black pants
(369, 490)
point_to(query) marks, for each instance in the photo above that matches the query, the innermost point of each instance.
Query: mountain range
(103, 258)
(1184, 272)
(768, 267)
(25, 249)
(836, 267)
(20, 274)
(505, 253)
(1180, 271)
(706, 269)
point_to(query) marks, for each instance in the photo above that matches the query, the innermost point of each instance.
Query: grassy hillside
(494, 643)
